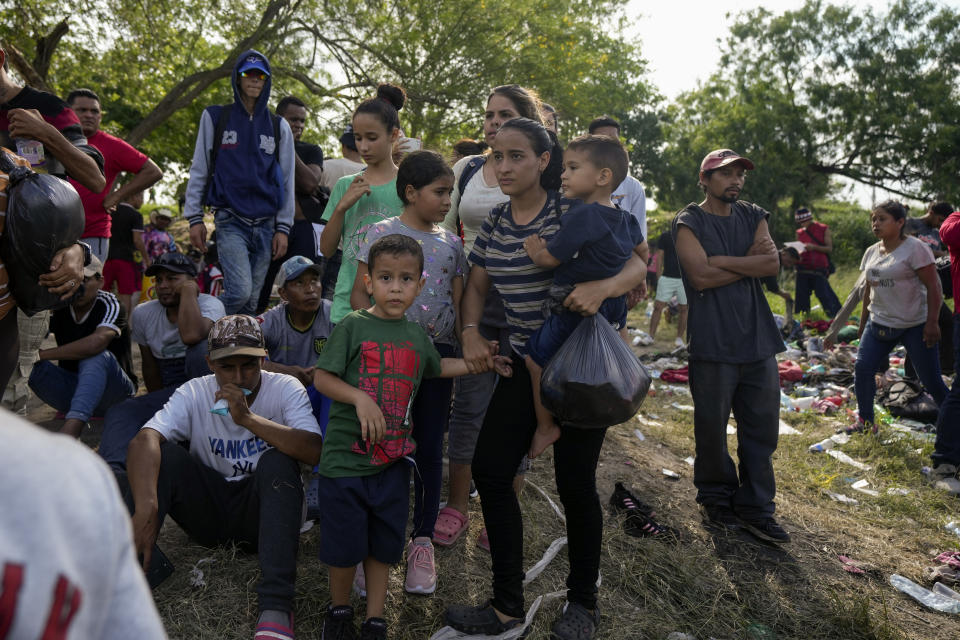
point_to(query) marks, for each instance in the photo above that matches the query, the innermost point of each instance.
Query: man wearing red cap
(724, 248)
(814, 266)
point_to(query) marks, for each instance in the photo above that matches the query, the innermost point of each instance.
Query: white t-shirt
(64, 526)
(630, 197)
(897, 297)
(149, 326)
(336, 168)
(478, 199)
(217, 441)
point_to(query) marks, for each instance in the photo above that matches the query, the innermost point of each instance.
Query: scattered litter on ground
(787, 430)
(196, 573)
(673, 475)
(731, 430)
(844, 458)
(840, 497)
(850, 565)
(681, 407)
(639, 435)
(897, 491)
(863, 487)
(689, 460)
(925, 597)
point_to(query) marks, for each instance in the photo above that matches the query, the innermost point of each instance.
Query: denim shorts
(364, 516)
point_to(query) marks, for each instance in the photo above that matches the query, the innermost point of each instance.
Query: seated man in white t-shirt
(171, 332)
(239, 482)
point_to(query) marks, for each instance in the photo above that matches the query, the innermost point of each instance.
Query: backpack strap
(469, 171)
(276, 134)
(218, 130)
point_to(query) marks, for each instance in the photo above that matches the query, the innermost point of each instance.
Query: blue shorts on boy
(387, 359)
(594, 242)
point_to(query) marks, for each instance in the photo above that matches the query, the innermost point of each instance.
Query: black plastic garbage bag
(594, 379)
(44, 215)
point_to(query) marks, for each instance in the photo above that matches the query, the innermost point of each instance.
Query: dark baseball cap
(721, 158)
(237, 335)
(347, 139)
(173, 261)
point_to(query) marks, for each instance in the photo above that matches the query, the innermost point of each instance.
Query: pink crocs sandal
(449, 527)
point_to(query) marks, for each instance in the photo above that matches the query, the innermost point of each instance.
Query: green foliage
(825, 91)
(156, 65)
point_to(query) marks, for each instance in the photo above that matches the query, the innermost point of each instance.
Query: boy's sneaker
(722, 517)
(766, 529)
(338, 624)
(374, 629)
(360, 582)
(944, 477)
(421, 568)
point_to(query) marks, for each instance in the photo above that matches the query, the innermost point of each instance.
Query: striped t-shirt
(523, 285)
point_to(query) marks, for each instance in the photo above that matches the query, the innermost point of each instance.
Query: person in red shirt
(814, 266)
(946, 449)
(118, 156)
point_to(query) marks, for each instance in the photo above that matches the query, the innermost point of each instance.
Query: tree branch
(23, 67)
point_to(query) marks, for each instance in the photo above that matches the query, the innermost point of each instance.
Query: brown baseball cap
(236, 335)
(721, 158)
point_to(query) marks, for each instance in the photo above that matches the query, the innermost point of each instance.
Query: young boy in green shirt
(371, 368)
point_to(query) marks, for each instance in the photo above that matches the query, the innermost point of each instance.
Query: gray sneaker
(944, 478)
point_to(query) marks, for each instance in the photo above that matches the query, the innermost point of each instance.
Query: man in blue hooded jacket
(250, 188)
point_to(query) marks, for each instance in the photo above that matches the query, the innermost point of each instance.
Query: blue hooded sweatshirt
(254, 178)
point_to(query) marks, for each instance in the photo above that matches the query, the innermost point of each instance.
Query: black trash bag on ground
(594, 380)
(44, 215)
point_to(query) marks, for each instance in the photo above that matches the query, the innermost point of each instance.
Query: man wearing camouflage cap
(239, 482)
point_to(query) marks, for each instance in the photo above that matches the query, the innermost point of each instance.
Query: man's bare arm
(696, 265)
(761, 259)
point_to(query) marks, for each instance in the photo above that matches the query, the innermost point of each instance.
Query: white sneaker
(679, 342)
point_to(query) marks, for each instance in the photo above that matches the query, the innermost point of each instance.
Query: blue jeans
(947, 447)
(244, 253)
(873, 356)
(99, 384)
(123, 421)
(818, 283)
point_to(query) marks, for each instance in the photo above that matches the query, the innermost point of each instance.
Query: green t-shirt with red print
(387, 359)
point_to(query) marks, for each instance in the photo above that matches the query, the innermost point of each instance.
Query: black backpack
(218, 140)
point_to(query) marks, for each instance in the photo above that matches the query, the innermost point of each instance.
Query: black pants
(300, 242)
(260, 513)
(504, 439)
(752, 391)
(9, 347)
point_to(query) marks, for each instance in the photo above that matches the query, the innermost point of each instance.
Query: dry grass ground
(705, 585)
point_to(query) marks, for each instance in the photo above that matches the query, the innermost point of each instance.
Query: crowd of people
(419, 304)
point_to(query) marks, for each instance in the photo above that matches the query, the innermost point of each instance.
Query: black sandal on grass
(575, 623)
(482, 620)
